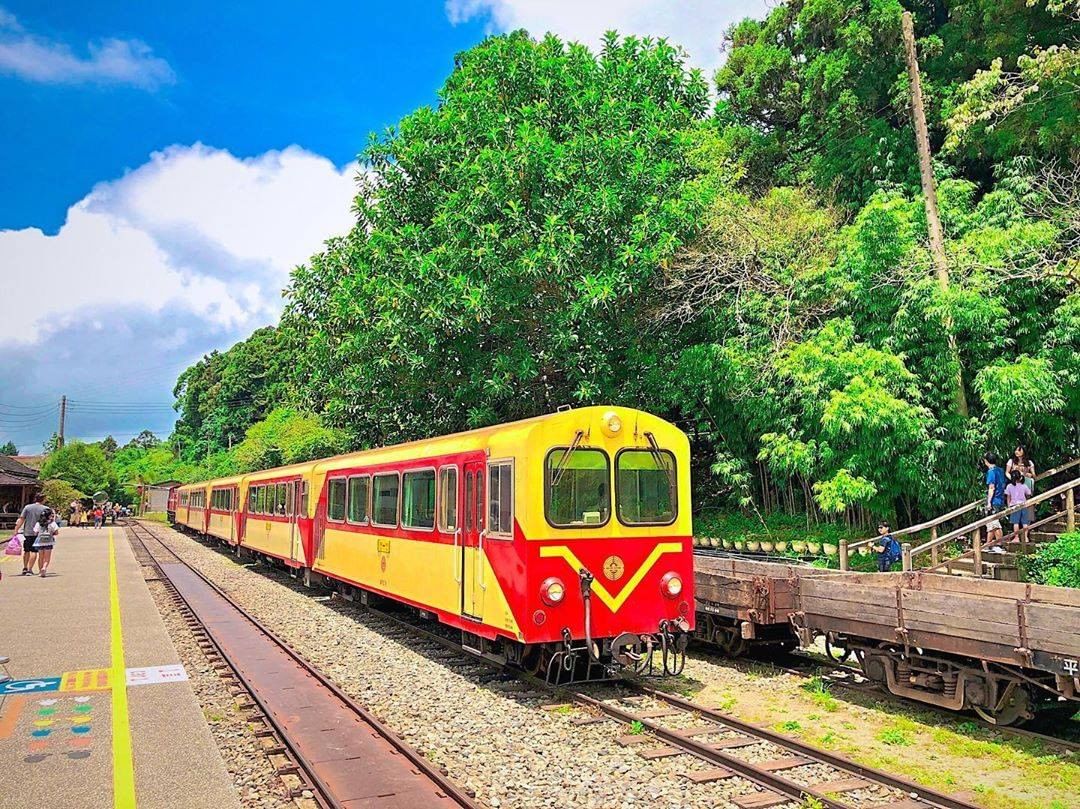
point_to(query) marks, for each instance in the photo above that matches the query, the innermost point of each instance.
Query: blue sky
(164, 166)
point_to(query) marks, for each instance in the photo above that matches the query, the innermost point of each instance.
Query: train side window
(290, 498)
(470, 505)
(384, 500)
(304, 498)
(448, 499)
(577, 487)
(359, 491)
(500, 497)
(418, 499)
(251, 499)
(335, 501)
(260, 502)
(282, 497)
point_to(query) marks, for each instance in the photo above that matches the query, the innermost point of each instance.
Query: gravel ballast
(492, 738)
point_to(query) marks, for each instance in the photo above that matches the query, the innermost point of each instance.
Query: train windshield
(645, 486)
(576, 488)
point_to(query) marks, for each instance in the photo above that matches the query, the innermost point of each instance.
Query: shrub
(1057, 563)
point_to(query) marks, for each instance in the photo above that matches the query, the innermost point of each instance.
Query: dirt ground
(951, 754)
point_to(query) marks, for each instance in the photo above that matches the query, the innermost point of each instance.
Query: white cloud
(696, 25)
(194, 229)
(186, 254)
(109, 61)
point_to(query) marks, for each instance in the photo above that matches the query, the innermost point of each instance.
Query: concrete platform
(101, 713)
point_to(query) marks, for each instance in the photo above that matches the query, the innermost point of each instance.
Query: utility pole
(63, 416)
(933, 219)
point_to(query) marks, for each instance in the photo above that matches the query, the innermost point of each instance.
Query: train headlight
(671, 585)
(611, 423)
(552, 592)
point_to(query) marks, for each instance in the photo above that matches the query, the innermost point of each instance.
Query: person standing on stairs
(1021, 462)
(995, 497)
(1018, 492)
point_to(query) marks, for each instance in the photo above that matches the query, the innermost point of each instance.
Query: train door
(472, 546)
(292, 510)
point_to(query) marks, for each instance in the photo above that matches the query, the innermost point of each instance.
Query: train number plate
(384, 545)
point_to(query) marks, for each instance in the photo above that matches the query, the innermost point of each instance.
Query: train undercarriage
(999, 694)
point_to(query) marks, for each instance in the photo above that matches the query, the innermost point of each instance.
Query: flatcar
(561, 543)
(1010, 652)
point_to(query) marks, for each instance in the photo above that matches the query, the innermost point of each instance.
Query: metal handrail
(932, 525)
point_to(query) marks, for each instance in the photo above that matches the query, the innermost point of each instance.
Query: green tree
(84, 466)
(9, 448)
(817, 92)
(225, 392)
(108, 446)
(505, 237)
(59, 494)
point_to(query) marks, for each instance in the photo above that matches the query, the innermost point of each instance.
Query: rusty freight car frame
(999, 648)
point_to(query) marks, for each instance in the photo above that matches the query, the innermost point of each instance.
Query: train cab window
(577, 488)
(645, 487)
(359, 491)
(448, 497)
(282, 497)
(500, 489)
(418, 499)
(335, 501)
(384, 500)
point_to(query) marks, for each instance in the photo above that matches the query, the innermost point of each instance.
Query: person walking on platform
(25, 525)
(47, 529)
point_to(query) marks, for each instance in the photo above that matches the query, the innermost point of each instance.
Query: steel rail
(452, 790)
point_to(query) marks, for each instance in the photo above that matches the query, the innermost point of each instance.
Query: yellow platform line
(123, 767)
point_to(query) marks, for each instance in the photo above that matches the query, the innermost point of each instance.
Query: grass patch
(895, 737)
(818, 689)
(636, 728)
(790, 725)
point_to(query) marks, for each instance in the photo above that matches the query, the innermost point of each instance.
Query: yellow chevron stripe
(613, 603)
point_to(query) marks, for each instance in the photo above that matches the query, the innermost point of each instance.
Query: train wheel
(1013, 707)
(836, 647)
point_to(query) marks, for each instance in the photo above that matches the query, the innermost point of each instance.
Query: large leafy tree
(504, 238)
(817, 91)
(84, 466)
(225, 392)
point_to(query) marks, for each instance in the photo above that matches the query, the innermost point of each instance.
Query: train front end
(609, 582)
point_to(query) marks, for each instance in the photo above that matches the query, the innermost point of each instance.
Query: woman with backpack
(47, 529)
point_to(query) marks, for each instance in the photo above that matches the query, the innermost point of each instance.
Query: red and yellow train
(560, 543)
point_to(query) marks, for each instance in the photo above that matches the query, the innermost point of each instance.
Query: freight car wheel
(1014, 706)
(836, 647)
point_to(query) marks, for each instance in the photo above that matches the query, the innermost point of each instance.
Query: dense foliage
(574, 227)
(1057, 563)
(9, 448)
(504, 239)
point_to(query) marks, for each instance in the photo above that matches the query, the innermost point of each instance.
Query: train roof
(442, 443)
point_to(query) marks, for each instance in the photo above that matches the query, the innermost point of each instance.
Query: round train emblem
(613, 568)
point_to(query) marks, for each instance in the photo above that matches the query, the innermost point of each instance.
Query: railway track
(783, 770)
(339, 752)
(713, 737)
